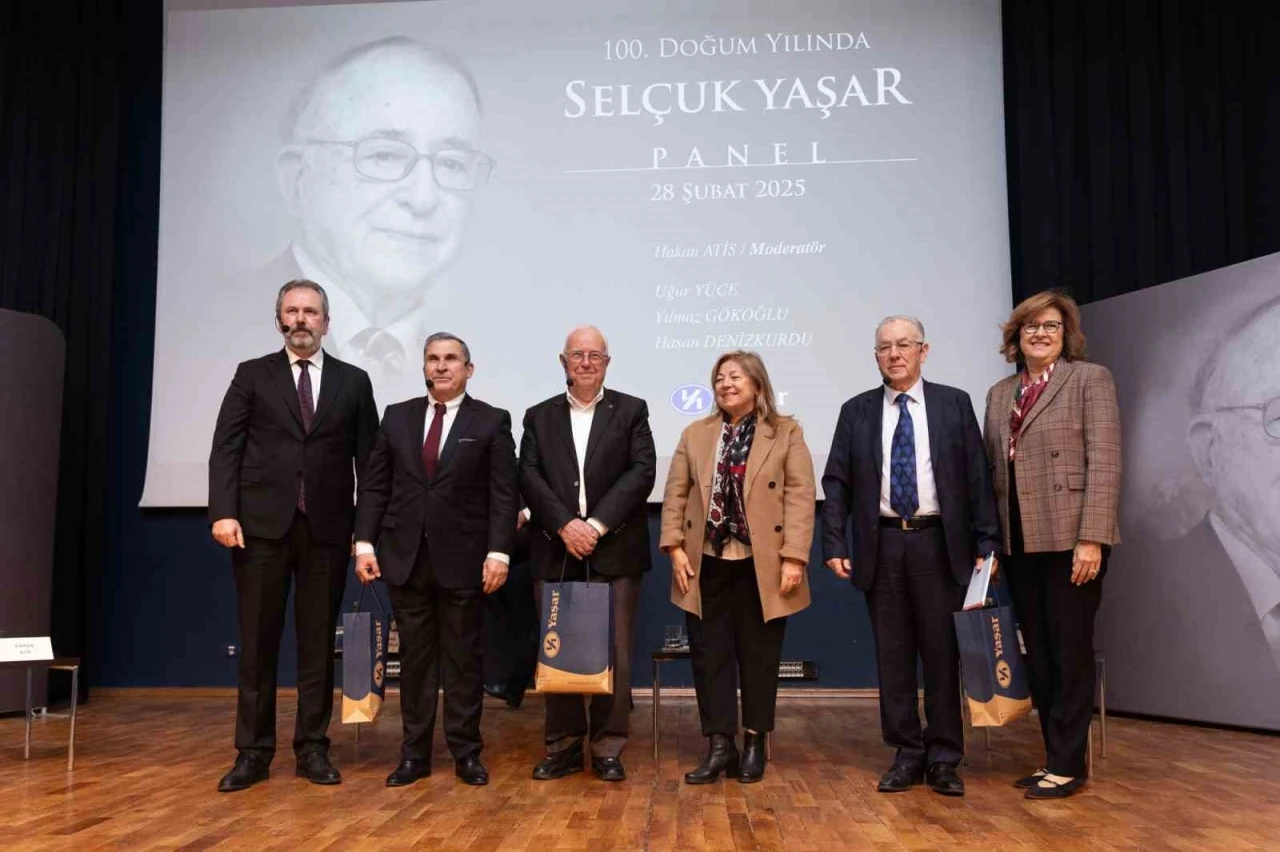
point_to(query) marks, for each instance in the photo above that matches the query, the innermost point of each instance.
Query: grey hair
(902, 318)
(444, 335)
(307, 96)
(301, 284)
(578, 328)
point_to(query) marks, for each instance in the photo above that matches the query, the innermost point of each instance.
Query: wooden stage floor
(148, 763)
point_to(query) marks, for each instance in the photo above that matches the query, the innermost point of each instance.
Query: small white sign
(17, 649)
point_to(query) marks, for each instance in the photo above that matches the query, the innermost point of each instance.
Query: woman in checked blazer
(1053, 441)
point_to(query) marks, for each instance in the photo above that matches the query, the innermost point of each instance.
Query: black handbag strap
(586, 565)
(377, 598)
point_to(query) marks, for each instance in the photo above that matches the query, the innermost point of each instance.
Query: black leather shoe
(408, 771)
(1030, 780)
(249, 770)
(722, 756)
(944, 780)
(316, 768)
(900, 778)
(608, 769)
(1046, 789)
(751, 767)
(497, 689)
(514, 696)
(471, 771)
(559, 764)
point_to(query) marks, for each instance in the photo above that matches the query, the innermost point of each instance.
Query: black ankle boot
(751, 769)
(722, 756)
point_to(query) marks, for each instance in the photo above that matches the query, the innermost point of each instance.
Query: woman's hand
(792, 574)
(1086, 562)
(681, 570)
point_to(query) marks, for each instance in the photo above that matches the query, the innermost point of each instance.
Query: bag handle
(377, 598)
(586, 564)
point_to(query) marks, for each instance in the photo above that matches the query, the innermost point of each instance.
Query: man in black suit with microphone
(439, 504)
(587, 465)
(907, 464)
(293, 429)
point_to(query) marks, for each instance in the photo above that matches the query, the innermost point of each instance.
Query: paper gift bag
(364, 661)
(995, 676)
(576, 651)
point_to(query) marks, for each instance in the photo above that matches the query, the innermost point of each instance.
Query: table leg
(657, 704)
(26, 747)
(75, 699)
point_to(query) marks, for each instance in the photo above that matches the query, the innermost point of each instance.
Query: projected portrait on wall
(1191, 624)
(378, 164)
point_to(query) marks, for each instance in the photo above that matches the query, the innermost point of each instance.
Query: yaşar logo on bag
(551, 644)
(1004, 675)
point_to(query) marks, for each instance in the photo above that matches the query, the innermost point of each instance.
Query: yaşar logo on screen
(691, 399)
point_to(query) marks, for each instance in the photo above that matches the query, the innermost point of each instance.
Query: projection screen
(691, 177)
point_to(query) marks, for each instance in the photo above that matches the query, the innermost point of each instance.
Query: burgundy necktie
(431, 448)
(306, 402)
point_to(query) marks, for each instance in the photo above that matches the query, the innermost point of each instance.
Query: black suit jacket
(852, 482)
(468, 509)
(261, 453)
(620, 468)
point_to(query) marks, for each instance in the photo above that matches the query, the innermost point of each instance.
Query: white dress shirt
(581, 415)
(315, 371)
(1260, 580)
(925, 486)
(450, 415)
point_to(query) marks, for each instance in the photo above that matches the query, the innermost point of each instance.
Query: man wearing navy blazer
(587, 465)
(294, 428)
(439, 504)
(907, 465)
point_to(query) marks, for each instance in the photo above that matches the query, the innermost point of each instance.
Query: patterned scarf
(1024, 399)
(727, 516)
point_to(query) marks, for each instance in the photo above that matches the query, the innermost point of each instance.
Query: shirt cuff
(363, 548)
(501, 557)
(528, 516)
(599, 527)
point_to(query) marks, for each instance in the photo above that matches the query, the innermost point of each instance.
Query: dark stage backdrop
(1143, 144)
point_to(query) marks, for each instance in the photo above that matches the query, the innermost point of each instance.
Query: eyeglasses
(901, 346)
(577, 356)
(1270, 414)
(1050, 327)
(390, 160)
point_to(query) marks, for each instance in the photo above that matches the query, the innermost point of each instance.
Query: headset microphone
(430, 384)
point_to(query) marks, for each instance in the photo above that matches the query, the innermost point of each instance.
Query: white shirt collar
(450, 407)
(915, 393)
(1260, 580)
(316, 360)
(584, 406)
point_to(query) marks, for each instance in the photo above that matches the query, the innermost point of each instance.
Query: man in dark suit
(908, 465)
(587, 466)
(439, 502)
(293, 428)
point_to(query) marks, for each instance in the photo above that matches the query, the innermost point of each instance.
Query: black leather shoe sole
(899, 783)
(404, 779)
(948, 789)
(551, 773)
(323, 779)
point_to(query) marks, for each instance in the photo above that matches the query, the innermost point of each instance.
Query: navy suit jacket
(468, 509)
(963, 480)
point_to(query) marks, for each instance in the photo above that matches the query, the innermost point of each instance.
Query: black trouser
(511, 631)
(911, 601)
(1056, 618)
(732, 642)
(264, 570)
(610, 719)
(441, 637)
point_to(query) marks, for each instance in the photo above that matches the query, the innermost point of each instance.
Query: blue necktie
(904, 498)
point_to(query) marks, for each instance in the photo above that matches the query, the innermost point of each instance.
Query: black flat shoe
(722, 756)
(408, 771)
(316, 768)
(471, 771)
(1031, 780)
(751, 767)
(1046, 789)
(608, 769)
(559, 764)
(900, 778)
(944, 780)
(248, 770)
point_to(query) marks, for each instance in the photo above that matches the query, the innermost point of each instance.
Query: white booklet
(976, 597)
